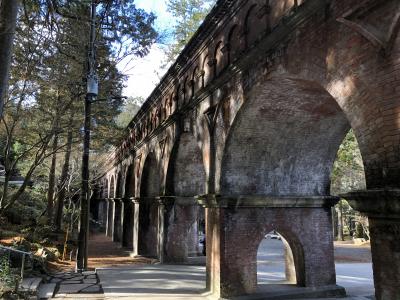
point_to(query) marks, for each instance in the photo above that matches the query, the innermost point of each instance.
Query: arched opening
(206, 72)
(186, 179)
(353, 259)
(189, 88)
(276, 263)
(219, 58)
(277, 162)
(179, 97)
(148, 208)
(234, 44)
(184, 91)
(127, 233)
(251, 26)
(196, 79)
(284, 141)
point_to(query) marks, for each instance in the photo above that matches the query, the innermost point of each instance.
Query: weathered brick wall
(385, 244)
(185, 178)
(284, 141)
(331, 54)
(269, 92)
(312, 245)
(186, 173)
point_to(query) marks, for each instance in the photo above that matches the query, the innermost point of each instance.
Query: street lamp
(91, 94)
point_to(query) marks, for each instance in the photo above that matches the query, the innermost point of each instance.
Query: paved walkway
(126, 278)
(153, 282)
(104, 253)
(71, 284)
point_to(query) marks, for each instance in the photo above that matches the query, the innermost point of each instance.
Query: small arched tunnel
(283, 141)
(245, 229)
(276, 263)
(127, 230)
(184, 219)
(148, 208)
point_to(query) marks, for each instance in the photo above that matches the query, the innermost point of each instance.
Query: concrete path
(153, 282)
(66, 285)
(356, 278)
(188, 282)
(126, 278)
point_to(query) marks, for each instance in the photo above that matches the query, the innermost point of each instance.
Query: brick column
(161, 228)
(106, 214)
(236, 226)
(110, 217)
(102, 215)
(121, 220)
(135, 233)
(176, 217)
(383, 210)
(117, 220)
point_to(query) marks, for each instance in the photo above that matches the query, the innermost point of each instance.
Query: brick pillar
(102, 213)
(177, 215)
(107, 215)
(135, 232)
(121, 220)
(110, 218)
(236, 226)
(161, 228)
(383, 210)
(117, 220)
(290, 269)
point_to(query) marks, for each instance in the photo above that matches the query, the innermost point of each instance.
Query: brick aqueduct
(242, 133)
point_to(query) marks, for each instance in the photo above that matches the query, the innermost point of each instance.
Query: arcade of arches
(241, 135)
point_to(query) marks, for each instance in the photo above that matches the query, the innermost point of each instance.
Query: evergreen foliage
(189, 14)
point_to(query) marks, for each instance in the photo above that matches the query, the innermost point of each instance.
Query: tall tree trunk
(334, 223)
(52, 173)
(52, 180)
(340, 222)
(62, 186)
(8, 20)
(5, 191)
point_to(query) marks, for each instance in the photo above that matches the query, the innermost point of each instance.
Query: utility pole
(92, 91)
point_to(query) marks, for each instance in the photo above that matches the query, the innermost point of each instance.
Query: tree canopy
(189, 14)
(44, 107)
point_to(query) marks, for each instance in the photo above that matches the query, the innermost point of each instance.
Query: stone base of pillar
(383, 210)
(236, 227)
